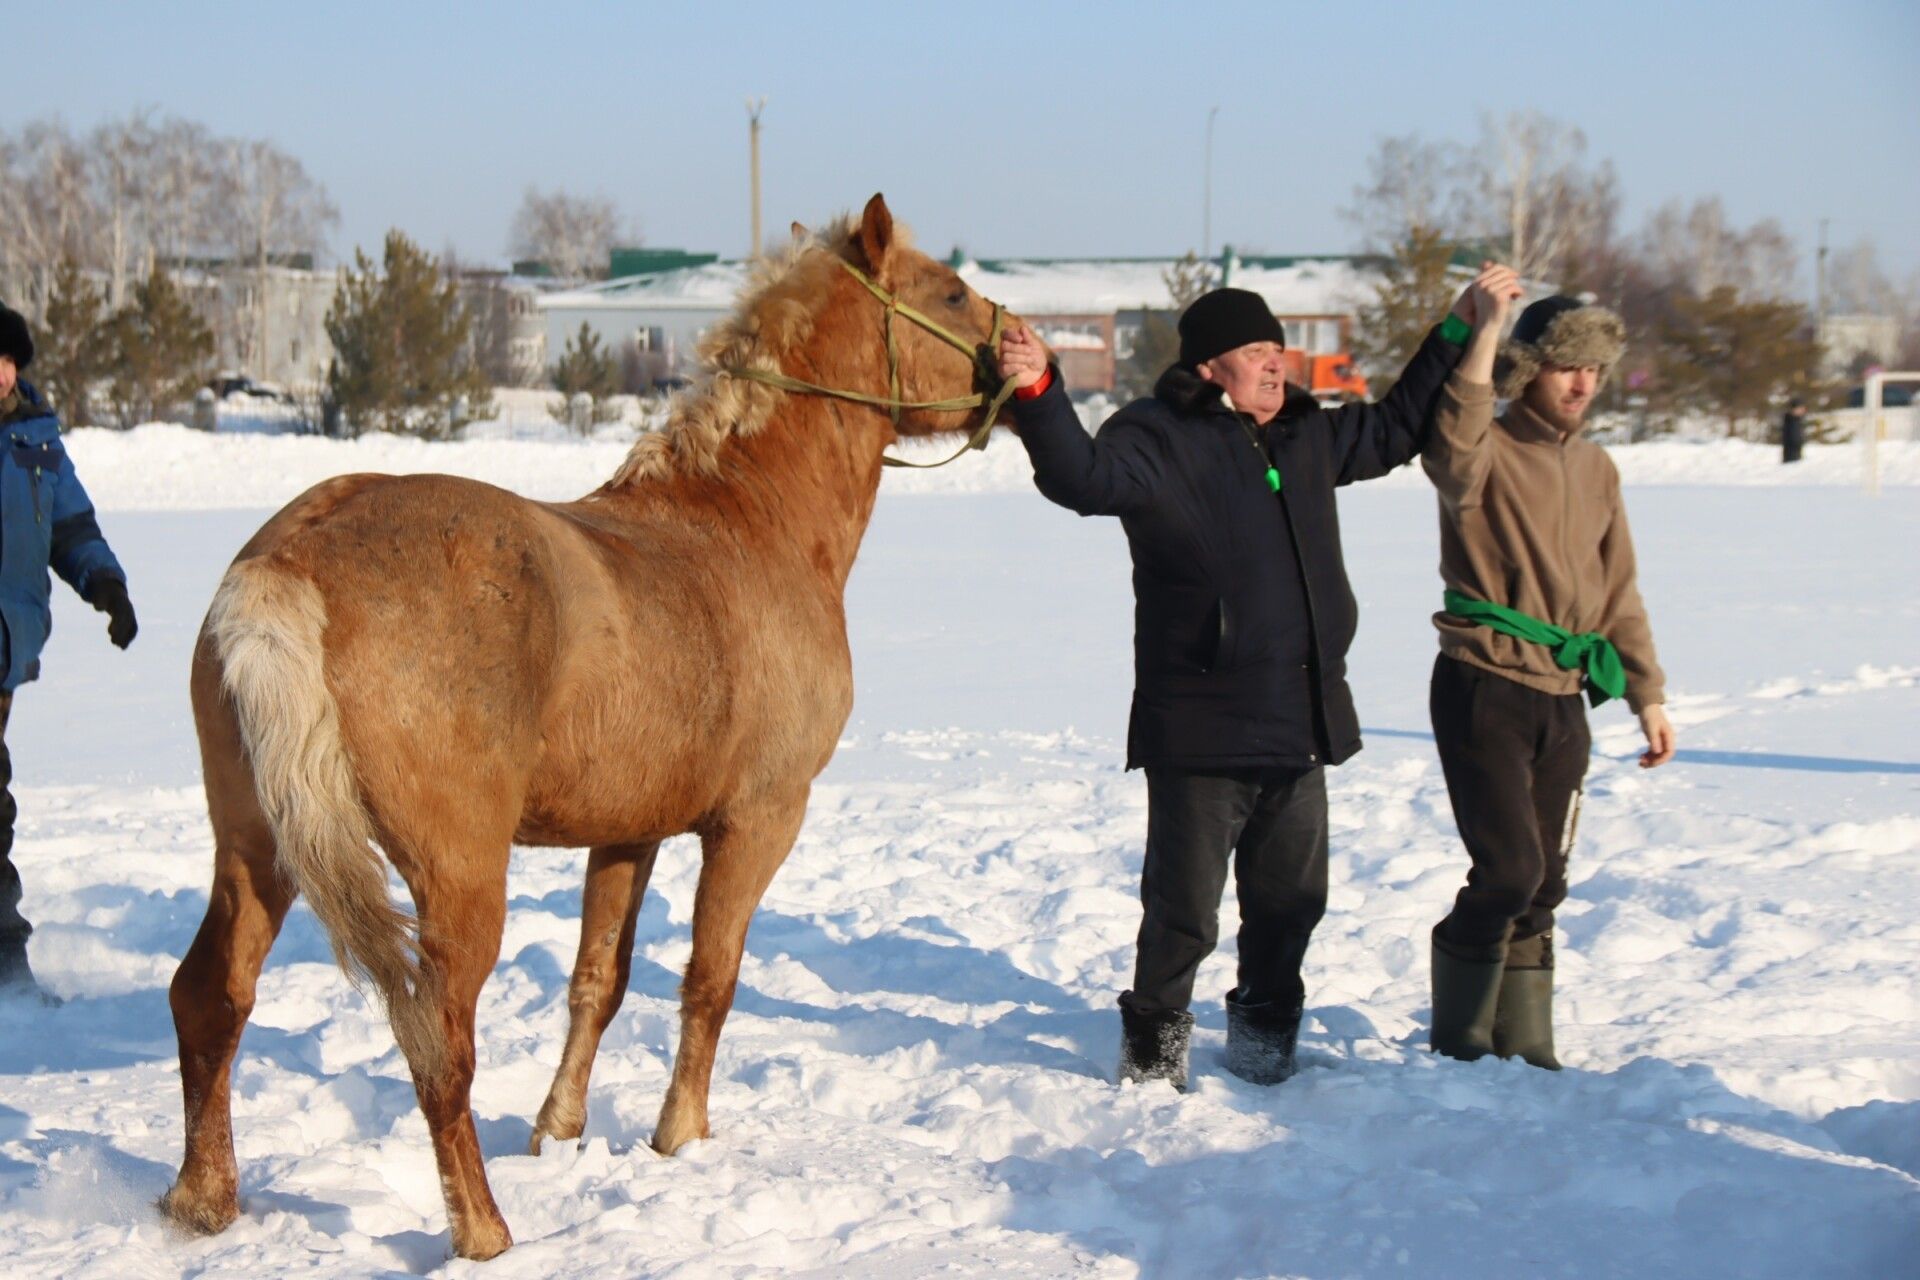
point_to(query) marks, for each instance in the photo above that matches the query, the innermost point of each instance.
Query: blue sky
(1015, 130)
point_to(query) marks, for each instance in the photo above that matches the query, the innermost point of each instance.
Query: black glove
(109, 596)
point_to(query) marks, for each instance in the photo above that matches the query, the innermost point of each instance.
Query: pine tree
(1157, 344)
(401, 359)
(75, 347)
(1733, 357)
(160, 350)
(1415, 290)
(585, 367)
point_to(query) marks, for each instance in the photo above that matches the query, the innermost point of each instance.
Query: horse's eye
(957, 298)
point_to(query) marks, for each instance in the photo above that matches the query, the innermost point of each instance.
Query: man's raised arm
(1373, 439)
(1455, 456)
(1116, 473)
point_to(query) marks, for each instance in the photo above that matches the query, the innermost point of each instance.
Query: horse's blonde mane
(775, 313)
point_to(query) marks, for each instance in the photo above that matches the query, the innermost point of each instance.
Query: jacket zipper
(1566, 546)
(1322, 733)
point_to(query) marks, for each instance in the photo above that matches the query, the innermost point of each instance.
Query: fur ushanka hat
(1558, 330)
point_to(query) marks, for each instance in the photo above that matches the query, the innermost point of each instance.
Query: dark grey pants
(13, 925)
(1272, 826)
(1513, 758)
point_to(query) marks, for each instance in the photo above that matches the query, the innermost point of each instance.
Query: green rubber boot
(1523, 1020)
(1466, 994)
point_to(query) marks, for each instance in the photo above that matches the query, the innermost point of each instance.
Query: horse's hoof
(669, 1141)
(201, 1215)
(482, 1240)
(559, 1130)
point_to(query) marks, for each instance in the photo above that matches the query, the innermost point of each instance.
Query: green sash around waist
(1585, 650)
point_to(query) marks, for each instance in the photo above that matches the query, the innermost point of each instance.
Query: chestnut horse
(425, 671)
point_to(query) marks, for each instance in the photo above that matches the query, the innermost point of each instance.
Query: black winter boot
(1466, 993)
(1153, 1046)
(1261, 1038)
(1523, 1022)
(16, 976)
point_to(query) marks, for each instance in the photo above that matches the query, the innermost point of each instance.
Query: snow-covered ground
(917, 1075)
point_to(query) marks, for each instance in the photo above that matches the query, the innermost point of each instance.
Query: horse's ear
(876, 233)
(799, 232)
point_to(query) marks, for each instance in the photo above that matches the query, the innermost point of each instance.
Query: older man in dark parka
(1224, 481)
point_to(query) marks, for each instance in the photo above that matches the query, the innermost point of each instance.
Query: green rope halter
(891, 402)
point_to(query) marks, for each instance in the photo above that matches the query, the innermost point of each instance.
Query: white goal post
(1876, 423)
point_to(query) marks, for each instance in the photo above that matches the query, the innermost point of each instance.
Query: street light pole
(754, 107)
(1206, 207)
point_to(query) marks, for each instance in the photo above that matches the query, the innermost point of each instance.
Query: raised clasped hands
(1491, 295)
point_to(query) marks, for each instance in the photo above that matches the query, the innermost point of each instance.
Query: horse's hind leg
(616, 881)
(461, 898)
(212, 992)
(741, 852)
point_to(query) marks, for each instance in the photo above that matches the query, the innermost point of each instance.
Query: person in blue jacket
(46, 521)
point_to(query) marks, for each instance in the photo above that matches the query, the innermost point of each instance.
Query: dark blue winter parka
(46, 519)
(1242, 609)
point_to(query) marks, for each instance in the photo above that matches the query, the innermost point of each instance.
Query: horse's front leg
(616, 882)
(741, 850)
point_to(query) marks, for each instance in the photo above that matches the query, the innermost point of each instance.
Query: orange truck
(1329, 377)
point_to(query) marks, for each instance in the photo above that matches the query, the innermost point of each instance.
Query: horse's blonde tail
(266, 625)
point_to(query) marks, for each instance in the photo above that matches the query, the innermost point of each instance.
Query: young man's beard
(1566, 421)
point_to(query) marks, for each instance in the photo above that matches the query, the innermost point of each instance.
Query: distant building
(271, 325)
(651, 322)
(506, 334)
(1087, 310)
(1845, 339)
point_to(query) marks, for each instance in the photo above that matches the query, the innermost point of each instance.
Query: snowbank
(161, 467)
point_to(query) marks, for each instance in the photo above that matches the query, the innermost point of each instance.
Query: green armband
(1455, 330)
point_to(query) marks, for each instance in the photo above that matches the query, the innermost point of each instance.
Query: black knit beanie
(15, 341)
(1533, 322)
(1222, 319)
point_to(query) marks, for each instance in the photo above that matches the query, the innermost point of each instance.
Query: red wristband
(1037, 389)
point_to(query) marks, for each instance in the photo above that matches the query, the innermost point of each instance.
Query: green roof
(624, 262)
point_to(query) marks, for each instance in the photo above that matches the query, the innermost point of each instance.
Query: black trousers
(1273, 827)
(1513, 757)
(13, 925)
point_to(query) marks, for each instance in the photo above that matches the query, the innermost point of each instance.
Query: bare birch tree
(45, 204)
(571, 234)
(1413, 186)
(274, 209)
(119, 157)
(1697, 249)
(1537, 201)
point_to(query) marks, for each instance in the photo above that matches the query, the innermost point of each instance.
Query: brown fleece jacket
(1534, 522)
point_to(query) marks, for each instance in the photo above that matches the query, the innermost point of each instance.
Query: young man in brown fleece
(1540, 600)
